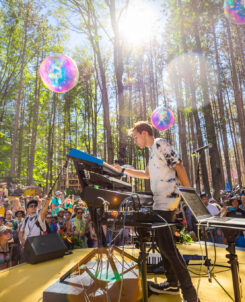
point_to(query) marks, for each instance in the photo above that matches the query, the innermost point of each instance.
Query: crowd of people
(27, 216)
(230, 204)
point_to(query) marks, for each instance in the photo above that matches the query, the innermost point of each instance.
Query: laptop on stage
(201, 213)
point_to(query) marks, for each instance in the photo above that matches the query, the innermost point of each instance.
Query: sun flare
(138, 24)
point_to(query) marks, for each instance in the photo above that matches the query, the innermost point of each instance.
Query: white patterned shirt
(161, 165)
(30, 228)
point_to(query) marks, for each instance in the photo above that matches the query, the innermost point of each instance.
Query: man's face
(8, 216)
(139, 138)
(61, 214)
(205, 200)
(49, 218)
(79, 214)
(32, 209)
(67, 215)
(235, 204)
(19, 216)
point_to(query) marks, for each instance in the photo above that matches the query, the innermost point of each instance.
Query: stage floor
(26, 282)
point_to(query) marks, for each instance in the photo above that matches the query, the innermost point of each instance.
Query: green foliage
(76, 118)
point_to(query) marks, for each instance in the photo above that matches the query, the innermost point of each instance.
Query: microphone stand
(198, 185)
(207, 261)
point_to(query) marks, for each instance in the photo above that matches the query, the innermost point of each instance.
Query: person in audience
(4, 190)
(213, 234)
(233, 210)
(34, 224)
(92, 240)
(215, 203)
(242, 206)
(20, 214)
(79, 227)
(54, 227)
(27, 199)
(82, 205)
(56, 203)
(68, 204)
(68, 223)
(48, 220)
(211, 208)
(8, 252)
(15, 205)
(61, 221)
(6, 204)
(18, 191)
(190, 221)
(1, 220)
(9, 221)
(2, 207)
(22, 202)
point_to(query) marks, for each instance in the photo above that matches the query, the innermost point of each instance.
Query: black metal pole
(143, 268)
(234, 270)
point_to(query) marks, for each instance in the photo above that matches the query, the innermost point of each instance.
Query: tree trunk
(18, 102)
(34, 126)
(118, 66)
(95, 119)
(222, 111)
(20, 140)
(234, 141)
(237, 91)
(209, 122)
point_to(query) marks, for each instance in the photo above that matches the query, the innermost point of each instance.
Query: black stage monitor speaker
(43, 248)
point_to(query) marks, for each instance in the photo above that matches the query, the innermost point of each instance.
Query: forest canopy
(132, 56)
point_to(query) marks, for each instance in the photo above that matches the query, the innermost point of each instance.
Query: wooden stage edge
(26, 282)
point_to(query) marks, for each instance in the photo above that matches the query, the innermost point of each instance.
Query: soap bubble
(235, 11)
(162, 118)
(59, 73)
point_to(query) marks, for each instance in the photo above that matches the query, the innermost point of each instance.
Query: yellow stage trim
(26, 282)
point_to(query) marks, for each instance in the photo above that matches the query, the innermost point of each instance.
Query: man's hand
(118, 168)
(45, 208)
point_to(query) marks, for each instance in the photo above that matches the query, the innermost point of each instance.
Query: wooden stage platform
(26, 282)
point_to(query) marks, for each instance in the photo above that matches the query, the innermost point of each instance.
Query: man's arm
(45, 209)
(134, 173)
(21, 238)
(182, 175)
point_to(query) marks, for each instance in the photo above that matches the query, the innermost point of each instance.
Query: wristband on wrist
(122, 173)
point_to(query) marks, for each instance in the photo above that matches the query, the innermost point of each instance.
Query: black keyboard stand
(233, 261)
(143, 238)
(230, 235)
(154, 248)
(142, 260)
